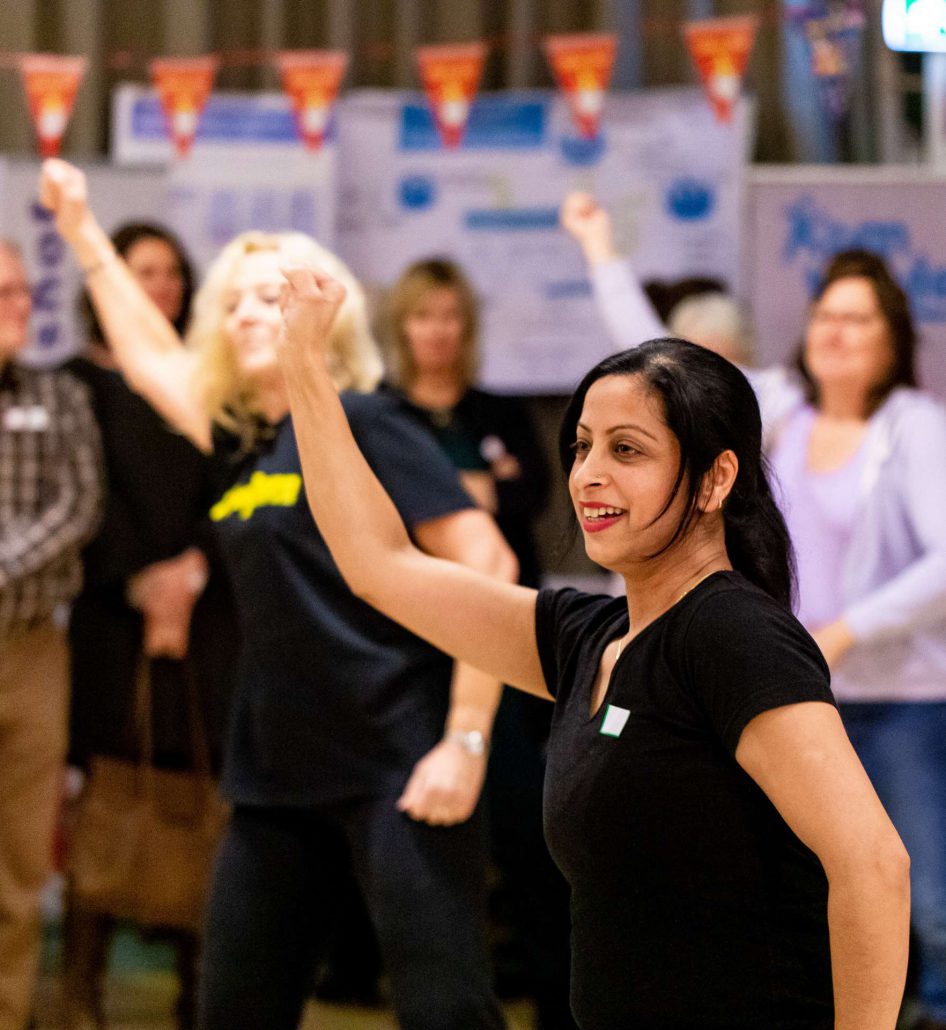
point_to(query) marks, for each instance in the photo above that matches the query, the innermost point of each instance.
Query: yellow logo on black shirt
(262, 491)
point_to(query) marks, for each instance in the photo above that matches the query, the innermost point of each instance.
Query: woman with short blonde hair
(343, 723)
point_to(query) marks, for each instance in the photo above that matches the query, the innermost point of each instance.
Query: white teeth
(598, 513)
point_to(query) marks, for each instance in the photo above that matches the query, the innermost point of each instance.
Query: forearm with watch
(474, 698)
(444, 786)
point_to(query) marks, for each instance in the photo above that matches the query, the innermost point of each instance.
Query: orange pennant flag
(312, 78)
(51, 82)
(183, 85)
(720, 50)
(582, 65)
(451, 76)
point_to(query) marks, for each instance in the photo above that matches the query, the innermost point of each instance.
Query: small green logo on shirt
(614, 721)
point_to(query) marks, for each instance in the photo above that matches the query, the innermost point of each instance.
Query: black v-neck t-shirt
(693, 903)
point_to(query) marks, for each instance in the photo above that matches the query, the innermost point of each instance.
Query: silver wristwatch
(472, 741)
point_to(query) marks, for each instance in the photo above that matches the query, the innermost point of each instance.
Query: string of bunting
(581, 63)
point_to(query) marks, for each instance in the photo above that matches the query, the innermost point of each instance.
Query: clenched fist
(63, 190)
(584, 218)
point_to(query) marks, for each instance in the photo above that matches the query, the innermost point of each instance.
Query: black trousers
(273, 888)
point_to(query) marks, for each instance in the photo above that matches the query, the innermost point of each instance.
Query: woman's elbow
(506, 564)
(894, 861)
(376, 579)
(885, 863)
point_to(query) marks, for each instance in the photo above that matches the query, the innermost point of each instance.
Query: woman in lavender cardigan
(860, 459)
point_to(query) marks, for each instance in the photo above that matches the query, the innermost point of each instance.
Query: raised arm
(475, 618)
(145, 345)
(622, 303)
(801, 757)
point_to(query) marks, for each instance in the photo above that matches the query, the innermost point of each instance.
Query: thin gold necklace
(693, 586)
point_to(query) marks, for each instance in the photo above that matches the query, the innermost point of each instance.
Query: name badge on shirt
(614, 721)
(31, 419)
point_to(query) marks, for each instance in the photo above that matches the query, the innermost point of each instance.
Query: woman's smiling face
(252, 315)
(624, 473)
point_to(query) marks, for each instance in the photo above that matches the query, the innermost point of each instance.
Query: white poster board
(247, 169)
(117, 195)
(799, 217)
(671, 176)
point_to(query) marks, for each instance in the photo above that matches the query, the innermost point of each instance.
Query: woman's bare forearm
(145, 345)
(869, 921)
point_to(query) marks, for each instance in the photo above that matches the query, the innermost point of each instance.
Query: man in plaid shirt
(50, 501)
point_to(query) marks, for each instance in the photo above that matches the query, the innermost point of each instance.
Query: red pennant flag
(51, 83)
(720, 50)
(183, 85)
(582, 65)
(312, 78)
(451, 76)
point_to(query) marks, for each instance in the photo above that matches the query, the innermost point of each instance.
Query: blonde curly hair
(225, 395)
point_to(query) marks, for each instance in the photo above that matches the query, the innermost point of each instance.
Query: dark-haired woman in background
(431, 337)
(730, 864)
(860, 456)
(148, 596)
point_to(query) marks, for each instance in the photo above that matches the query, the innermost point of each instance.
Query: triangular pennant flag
(183, 85)
(311, 79)
(835, 43)
(720, 49)
(451, 76)
(582, 65)
(51, 82)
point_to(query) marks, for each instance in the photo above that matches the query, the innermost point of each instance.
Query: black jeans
(272, 890)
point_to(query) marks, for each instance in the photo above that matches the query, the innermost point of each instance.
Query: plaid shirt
(51, 484)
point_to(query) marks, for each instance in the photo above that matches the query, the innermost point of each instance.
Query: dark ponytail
(757, 539)
(710, 407)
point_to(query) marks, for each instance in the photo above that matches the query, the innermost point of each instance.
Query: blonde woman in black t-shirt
(730, 864)
(351, 740)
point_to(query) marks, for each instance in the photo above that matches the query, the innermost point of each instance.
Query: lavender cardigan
(894, 585)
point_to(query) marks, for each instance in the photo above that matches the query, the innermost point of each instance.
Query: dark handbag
(145, 839)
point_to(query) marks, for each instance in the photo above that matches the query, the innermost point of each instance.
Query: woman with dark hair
(730, 865)
(859, 456)
(149, 605)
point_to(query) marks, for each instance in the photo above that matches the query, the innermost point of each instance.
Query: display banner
(117, 195)
(220, 192)
(206, 200)
(582, 65)
(720, 49)
(671, 176)
(311, 80)
(262, 120)
(183, 85)
(51, 82)
(451, 76)
(799, 217)
(249, 171)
